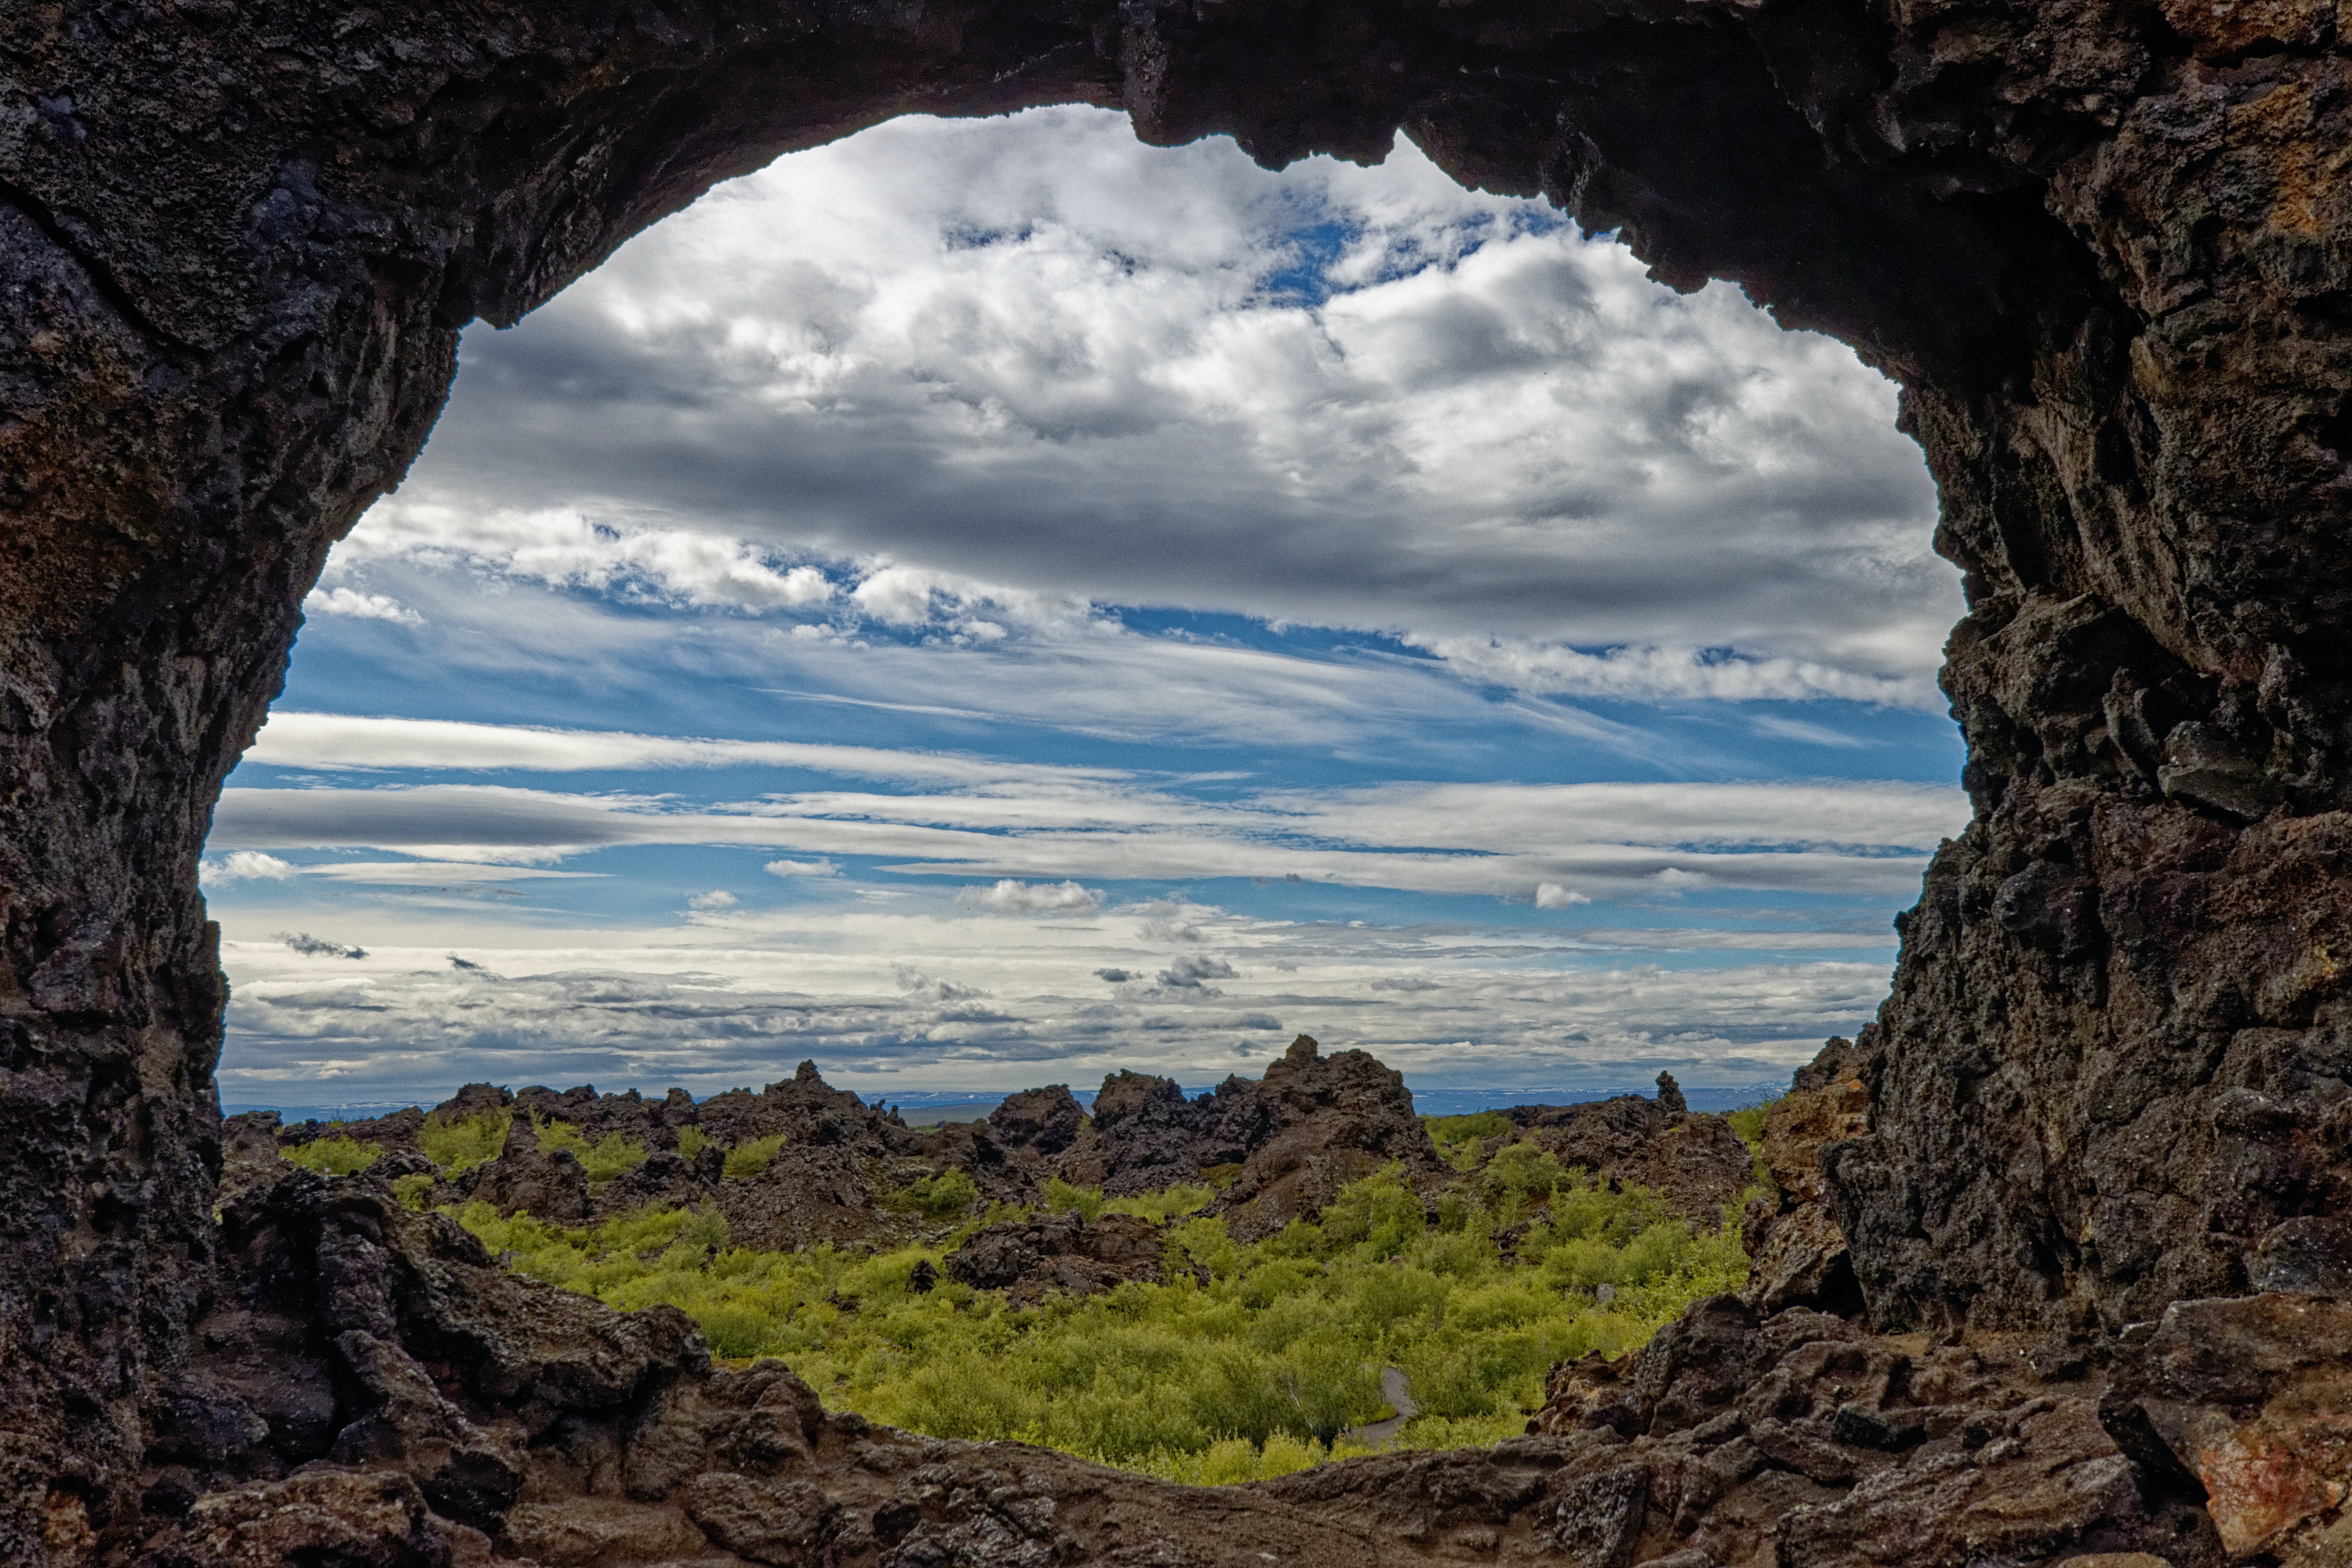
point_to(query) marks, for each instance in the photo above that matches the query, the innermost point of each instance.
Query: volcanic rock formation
(831, 1165)
(2105, 244)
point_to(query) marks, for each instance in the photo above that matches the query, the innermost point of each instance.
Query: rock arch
(2105, 246)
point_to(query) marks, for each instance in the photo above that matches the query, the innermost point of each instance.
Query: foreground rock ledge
(372, 1388)
(2106, 247)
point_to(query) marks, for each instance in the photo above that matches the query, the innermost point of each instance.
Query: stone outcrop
(1798, 1255)
(2106, 247)
(1694, 1161)
(1800, 1439)
(1315, 1124)
(1282, 1145)
(2251, 1401)
(1059, 1253)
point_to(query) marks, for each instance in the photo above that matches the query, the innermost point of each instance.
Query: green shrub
(1524, 1170)
(336, 1156)
(463, 1142)
(1063, 1197)
(1748, 1121)
(942, 1196)
(1184, 1198)
(1253, 1374)
(748, 1162)
(692, 1141)
(614, 1154)
(412, 1190)
(1462, 1139)
(1379, 1213)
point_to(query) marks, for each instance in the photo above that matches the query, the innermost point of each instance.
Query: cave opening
(1415, 560)
(2105, 248)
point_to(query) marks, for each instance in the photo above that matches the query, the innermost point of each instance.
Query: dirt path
(1397, 1389)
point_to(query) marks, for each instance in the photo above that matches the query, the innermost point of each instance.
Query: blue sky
(987, 603)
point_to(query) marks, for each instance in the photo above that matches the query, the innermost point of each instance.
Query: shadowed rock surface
(2106, 247)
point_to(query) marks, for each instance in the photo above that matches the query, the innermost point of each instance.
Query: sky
(987, 603)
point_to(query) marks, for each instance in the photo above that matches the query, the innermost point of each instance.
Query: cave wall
(2106, 247)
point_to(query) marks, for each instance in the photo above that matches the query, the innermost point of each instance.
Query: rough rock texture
(1059, 1253)
(2106, 246)
(2254, 1398)
(1287, 1143)
(1798, 1255)
(1314, 1123)
(1693, 1160)
(1801, 1439)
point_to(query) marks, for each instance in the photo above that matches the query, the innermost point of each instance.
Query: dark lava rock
(2106, 248)
(1144, 1135)
(1312, 1125)
(1045, 1119)
(1059, 1253)
(1696, 1162)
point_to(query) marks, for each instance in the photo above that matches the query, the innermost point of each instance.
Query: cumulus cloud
(717, 899)
(310, 946)
(1011, 897)
(1115, 977)
(800, 868)
(364, 606)
(1032, 354)
(246, 865)
(1552, 896)
(1191, 975)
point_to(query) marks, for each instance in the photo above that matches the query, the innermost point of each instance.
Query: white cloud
(246, 865)
(718, 898)
(1650, 673)
(365, 606)
(1011, 897)
(879, 376)
(570, 547)
(1491, 839)
(800, 868)
(335, 740)
(1552, 896)
(436, 873)
(997, 1004)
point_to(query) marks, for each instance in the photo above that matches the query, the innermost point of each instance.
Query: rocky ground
(372, 1389)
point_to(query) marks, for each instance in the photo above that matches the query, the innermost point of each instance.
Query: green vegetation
(943, 1196)
(1748, 1121)
(614, 1154)
(335, 1156)
(467, 1141)
(692, 1141)
(1460, 1138)
(413, 1190)
(747, 1161)
(1086, 1203)
(1253, 1374)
